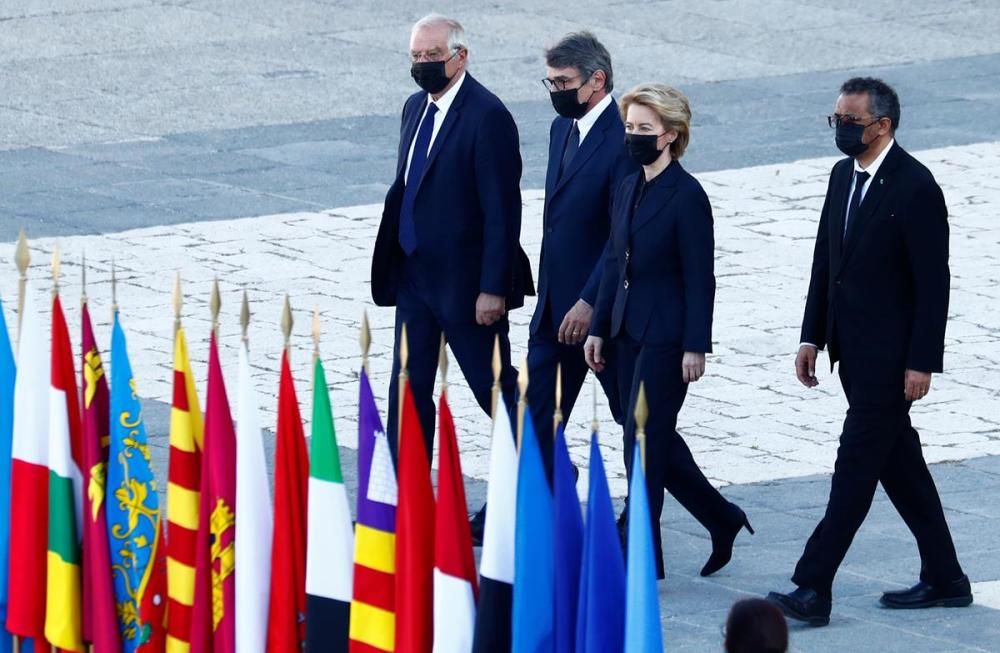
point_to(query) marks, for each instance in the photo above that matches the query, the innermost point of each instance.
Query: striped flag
(183, 483)
(568, 545)
(214, 609)
(8, 372)
(29, 489)
(287, 610)
(642, 605)
(100, 626)
(133, 506)
(496, 569)
(63, 600)
(373, 618)
(329, 565)
(255, 520)
(455, 587)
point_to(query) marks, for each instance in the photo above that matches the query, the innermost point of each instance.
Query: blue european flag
(642, 610)
(568, 545)
(534, 559)
(600, 626)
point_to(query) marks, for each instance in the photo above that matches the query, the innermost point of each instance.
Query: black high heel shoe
(722, 547)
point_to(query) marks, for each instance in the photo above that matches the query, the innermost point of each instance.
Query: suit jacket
(658, 284)
(882, 296)
(577, 213)
(467, 210)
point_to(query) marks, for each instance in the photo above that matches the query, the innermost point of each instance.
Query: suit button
(837, 282)
(627, 254)
(548, 230)
(626, 284)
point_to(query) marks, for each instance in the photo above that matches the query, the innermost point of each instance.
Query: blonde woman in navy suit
(654, 308)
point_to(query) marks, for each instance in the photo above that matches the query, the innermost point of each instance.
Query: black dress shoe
(722, 545)
(956, 594)
(477, 526)
(803, 605)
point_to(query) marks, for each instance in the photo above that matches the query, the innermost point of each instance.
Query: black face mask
(850, 137)
(642, 147)
(567, 105)
(430, 75)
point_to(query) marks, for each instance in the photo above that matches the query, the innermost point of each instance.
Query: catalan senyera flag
(455, 587)
(63, 595)
(414, 537)
(213, 617)
(183, 486)
(373, 620)
(29, 522)
(8, 372)
(286, 623)
(330, 555)
(133, 505)
(100, 625)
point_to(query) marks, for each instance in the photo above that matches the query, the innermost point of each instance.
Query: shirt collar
(444, 102)
(872, 169)
(584, 124)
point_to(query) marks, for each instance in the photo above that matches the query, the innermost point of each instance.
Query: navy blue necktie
(860, 177)
(407, 225)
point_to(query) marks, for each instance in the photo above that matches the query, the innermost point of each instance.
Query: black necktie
(572, 145)
(860, 177)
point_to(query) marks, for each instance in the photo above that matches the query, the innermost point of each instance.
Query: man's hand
(916, 385)
(489, 308)
(805, 366)
(693, 366)
(592, 352)
(576, 324)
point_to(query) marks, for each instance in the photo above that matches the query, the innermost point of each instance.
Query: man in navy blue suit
(587, 161)
(447, 254)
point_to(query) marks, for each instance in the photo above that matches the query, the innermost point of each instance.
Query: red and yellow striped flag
(186, 432)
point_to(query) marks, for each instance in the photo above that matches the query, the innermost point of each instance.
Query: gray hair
(456, 33)
(582, 50)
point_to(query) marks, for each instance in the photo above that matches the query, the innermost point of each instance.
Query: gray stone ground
(116, 114)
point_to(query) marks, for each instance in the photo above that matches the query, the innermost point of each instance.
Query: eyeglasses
(845, 118)
(434, 55)
(559, 83)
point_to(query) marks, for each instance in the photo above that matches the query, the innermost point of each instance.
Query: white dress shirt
(584, 124)
(872, 170)
(443, 104)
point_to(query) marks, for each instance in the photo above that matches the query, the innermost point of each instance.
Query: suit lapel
(595, 137)
(410, 124)
(657, 197)
(877, 191)
(556, 146)
(452, 117)
(838, 206)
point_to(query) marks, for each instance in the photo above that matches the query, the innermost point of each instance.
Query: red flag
(100, 624)
(153, 608)
(213, 612)
(414, 538)
(286, 623)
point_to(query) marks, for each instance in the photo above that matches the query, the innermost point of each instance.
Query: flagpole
(522, 404)
(443, 366)
(83, 281)
(365, 340)
(557, 417)
(594, 424)
(56, 265)
(114, 291)
(641, 415)
(404, 357)
(22, 258)
(497, 368)
(245, 321)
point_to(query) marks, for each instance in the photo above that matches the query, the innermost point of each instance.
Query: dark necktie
(572, 145)
(860, 178)
(407, 225)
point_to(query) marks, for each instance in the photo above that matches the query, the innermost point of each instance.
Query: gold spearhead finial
(443, 363)
(56, 266)
(404, 350)
(522, 378)
(245, 318)
(641, 415)
(114, 290)
(497, 365)
(365, 339)
(22, 257)
(317, 330)
(178, 299)
(522, 404)
(594, 424)
(83, 279)
(558, 416)
(286, 321)
(215, 304)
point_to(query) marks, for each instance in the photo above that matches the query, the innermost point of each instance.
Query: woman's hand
(692, 366)
(592, 352)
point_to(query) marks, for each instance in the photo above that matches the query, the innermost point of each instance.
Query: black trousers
(545, 355)
(471, 344)
(669, 463)
(878, 444)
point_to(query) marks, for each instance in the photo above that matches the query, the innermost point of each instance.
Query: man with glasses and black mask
(878, 300)
(587, 161)
(448, 255)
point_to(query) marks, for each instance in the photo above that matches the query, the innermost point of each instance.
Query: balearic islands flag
(29, 485)
(183, 487)
(455, 587)
(63, 600)
(8, 371)
(373, 622)
(254, 522)
(330, 561)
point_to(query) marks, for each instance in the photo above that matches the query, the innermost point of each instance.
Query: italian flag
(63, 605)
(330, 552)
(29, 523)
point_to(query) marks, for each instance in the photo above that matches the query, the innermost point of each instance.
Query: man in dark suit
(447, 254)
(878, 300)
(587, 162)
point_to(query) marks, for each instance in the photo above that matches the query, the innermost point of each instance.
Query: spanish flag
(183, 482)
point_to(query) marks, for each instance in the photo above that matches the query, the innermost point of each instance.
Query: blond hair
(670, 105)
